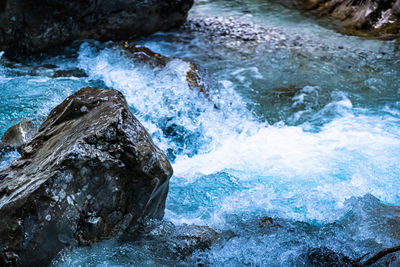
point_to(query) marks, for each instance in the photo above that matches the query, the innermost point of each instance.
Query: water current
(302, 126)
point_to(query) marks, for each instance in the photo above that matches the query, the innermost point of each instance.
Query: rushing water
(307, 131)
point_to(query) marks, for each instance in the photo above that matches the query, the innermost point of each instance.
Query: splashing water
(177, 117)
(308, 135)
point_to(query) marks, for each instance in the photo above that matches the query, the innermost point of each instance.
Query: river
(302, 126)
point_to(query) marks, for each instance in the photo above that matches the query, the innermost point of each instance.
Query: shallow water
(307, 131)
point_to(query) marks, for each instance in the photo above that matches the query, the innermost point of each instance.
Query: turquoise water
(307, 131)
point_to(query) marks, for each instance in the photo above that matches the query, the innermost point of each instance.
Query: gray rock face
(28, 26)
(91, 172)
(19, 134)
(367, 18)
(178, 242)
(396, 8)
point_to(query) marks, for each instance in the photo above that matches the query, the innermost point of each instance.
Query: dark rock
(368, 18)
(69, 73)
(323, 256)
(19, 134)
(179, 241)
(189, 238)
(396, 8)
(268, 222)
(91, 172)
(28, 26)
(48, 66)
(144, 55)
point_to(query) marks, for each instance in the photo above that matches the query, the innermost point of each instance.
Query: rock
(368, 18)
(268, 222)
(28, 26)
(91, 172)
(19, 134)
(396, 8)
(69, 73)
(189, 238)
(178, 241)
(323, 256)
(155, 243)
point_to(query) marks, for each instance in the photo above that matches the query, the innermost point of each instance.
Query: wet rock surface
(179, 241)
(155, 243)
(28, 26)
(368, 18)
(69, 73)
(91, 172)
(19, 134)
(323, 256)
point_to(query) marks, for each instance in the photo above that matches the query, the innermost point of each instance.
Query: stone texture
(91, 172)
(19, 134)
(28, 26)
(367, 18)
(177, 242)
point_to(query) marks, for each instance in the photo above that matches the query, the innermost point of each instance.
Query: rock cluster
(229, 27)
(90, 172)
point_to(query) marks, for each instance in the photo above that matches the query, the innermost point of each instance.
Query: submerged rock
(323, 256)
(69, 73)
(31, 26)
(178, 241)
(189, 238)
(19, 134)
(268, 222)
(157, 243)
(91, 172)
(369, 18)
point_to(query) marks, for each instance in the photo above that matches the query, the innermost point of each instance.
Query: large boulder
(90, 172)
(368, 18)
(28, 26)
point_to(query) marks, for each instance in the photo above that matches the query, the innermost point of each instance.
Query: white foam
(304, 175)
(163, 93)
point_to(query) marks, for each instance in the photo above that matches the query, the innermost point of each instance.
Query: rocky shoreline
(366, 18)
